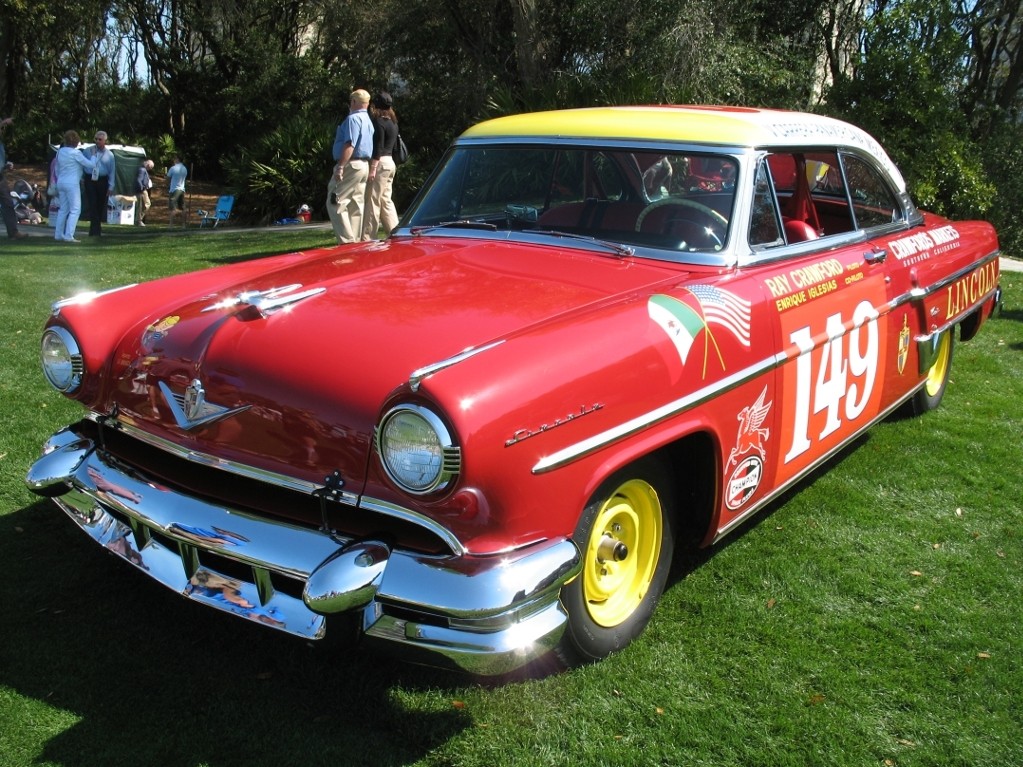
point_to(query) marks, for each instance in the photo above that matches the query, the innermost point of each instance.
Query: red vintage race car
(597, 336)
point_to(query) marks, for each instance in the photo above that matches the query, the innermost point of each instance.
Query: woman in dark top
(380, 212)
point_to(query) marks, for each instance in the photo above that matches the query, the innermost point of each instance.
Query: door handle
(875, 256)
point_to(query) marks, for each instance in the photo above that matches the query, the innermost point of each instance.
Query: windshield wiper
(614, 247)
(460, 224)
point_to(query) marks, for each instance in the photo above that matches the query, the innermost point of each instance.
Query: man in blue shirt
(100, 185)
(6, 201)
(176, 176)
(346, 191)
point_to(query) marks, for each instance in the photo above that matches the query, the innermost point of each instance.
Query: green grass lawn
(873, 617)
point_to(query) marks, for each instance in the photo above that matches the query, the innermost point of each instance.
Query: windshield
(676, 202)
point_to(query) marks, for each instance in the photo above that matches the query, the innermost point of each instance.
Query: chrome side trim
(417, 376)
(918, 294)
(700, 396)
(85, 297)
(664, 412)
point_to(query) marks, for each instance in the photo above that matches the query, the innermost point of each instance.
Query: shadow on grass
(158, 680)
(687, 561)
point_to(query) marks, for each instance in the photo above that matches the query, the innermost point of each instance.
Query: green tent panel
(127, 160)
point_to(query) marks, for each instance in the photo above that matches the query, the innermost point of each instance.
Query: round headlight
(62, 360)
(416, 449)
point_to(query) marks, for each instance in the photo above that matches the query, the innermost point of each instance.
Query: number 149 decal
(841, 388)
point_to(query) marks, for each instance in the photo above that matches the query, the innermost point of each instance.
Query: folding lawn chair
(223, 212)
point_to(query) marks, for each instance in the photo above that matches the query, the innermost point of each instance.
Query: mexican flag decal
(680, 321)
(713, 306)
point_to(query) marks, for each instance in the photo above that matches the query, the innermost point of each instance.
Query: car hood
(285, 364)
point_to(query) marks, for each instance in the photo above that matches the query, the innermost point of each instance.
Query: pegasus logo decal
(751, 436)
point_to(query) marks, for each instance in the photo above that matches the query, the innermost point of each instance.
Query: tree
(905, 89)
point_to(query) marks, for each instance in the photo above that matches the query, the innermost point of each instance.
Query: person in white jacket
(71, 164)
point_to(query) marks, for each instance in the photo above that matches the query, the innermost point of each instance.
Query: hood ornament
(265, 302)
(190, 408)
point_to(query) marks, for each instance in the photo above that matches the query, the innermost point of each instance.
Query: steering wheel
(700, 208)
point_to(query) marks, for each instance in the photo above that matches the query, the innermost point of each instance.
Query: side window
(873, 202)
(608, 177)
(764, 228)
(496, 176)
(811, 194)
(568, 179)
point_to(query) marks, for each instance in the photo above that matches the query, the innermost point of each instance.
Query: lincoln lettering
(964, 293)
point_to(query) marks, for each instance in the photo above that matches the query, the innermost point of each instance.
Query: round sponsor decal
(744, 482)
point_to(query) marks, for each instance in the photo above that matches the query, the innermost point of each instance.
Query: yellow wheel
(938, 373)
(933, 390)
(625, 538)
(621, 554)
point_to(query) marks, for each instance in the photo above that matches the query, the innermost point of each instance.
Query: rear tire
(626, 539)
(931, 393)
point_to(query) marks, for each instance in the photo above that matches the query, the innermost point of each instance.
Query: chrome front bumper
(482, 614)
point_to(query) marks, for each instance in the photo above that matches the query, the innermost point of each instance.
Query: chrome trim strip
(85, 297)
(646, 420)
(407, 515)
(282, 480)
(204, 459)
(417, 376)
(700, 396)
(918, 294)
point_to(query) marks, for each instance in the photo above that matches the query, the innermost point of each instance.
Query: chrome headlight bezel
(62, 363)
(405, 466)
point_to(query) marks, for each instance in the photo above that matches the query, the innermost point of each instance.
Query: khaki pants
(345, 197)
(142, 205)
(380, 210)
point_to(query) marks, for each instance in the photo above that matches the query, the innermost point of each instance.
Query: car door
(830, 295)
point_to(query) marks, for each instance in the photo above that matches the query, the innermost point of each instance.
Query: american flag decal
(724, 309)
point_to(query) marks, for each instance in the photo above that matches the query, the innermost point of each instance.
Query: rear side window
(817, 194)
(873, 202)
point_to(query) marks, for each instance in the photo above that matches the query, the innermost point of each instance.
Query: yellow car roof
(719, 126)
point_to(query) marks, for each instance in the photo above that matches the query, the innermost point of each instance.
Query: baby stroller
(25, 195)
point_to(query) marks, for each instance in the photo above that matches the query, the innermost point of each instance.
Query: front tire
(626, 539)
(933, 390)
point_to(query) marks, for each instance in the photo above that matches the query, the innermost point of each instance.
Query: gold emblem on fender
(903, 344)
